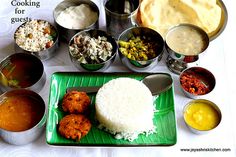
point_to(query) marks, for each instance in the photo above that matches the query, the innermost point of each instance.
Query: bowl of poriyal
(202, 116)
(140, 48)
(73, 16)
(22, 116)
(22, 70)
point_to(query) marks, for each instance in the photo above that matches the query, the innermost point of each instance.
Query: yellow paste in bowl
(201, 116)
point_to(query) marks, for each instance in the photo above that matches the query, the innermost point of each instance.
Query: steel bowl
(44, 54)
(120, 15)
(142, 66)
(178, 56)
(213, 105)
(27, 136)
(65, 33)
(202, 76)
(94, 67)
(26, 67)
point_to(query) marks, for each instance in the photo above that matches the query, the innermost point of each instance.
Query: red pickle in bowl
(193, 85)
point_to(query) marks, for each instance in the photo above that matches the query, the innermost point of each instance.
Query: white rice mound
(124, 107)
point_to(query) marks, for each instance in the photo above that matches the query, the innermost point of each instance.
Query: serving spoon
(157, 83)
(3, 79)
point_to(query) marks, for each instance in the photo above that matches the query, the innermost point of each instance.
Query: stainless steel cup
(120, 15)
(65, 33)
(27, 136)
(177, 62)
(210, 103)
(44, 54)
(185, 58)
(37, 71)
(153, 36)
(100, 67)
(203, 75)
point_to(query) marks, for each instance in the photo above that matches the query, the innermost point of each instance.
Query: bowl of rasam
(22, 70)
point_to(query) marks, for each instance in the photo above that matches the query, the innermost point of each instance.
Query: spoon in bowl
(157, 83)
(3, 79)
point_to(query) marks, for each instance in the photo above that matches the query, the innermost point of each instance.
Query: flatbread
(160, 15)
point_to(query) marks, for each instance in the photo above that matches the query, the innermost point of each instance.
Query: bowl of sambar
(22, 116)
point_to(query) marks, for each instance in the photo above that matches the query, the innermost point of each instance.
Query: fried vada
(75, 102)
(74, 126)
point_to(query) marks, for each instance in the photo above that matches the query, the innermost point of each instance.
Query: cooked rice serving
(124, 107)
(35, 35)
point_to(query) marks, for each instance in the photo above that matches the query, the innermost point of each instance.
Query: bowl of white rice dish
(124, 107)
(37, 37)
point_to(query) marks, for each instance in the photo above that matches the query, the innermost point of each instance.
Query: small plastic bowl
(22, 70)
(44, 53)
(197, 82)
(152, 37)
(28, 126)
(201, 116)
(66, 33)
(98, 67)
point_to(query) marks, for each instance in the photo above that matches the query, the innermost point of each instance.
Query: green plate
(164, 119)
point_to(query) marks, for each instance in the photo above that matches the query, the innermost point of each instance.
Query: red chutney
(193, 85)
(20, 113)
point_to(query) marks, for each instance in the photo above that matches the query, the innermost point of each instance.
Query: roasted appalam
(160, 15)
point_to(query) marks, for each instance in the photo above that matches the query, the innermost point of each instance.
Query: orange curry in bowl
(20, 113)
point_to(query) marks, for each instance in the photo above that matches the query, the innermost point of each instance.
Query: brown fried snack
(74, 126)
(75, 102)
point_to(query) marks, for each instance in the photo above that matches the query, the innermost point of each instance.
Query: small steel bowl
(65, 33)
(211, 104)
(94, 67)
(22, 70)
(26, 136)
(142, 66)
(196, 75)
(44, 54)
(181, 57)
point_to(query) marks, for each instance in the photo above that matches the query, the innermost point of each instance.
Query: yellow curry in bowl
(202, 115)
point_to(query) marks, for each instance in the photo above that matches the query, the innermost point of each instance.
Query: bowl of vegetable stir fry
(140, 48)
(92, 50)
